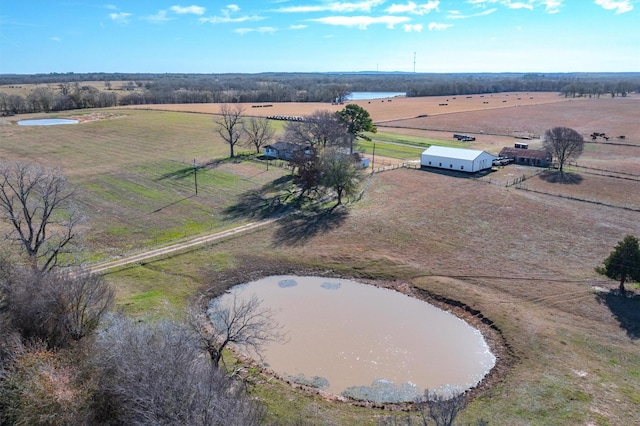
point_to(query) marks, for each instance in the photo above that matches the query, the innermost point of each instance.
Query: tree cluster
(64, 91)
(61, 98)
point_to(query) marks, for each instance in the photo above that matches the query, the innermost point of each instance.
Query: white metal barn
(459, 159)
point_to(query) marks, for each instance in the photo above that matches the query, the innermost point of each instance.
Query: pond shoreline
(251, 271)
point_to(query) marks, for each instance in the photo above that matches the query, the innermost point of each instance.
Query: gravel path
(151, 254)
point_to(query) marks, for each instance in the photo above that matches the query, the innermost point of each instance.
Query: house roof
(284, 146)
(536, 154)
(459, 153)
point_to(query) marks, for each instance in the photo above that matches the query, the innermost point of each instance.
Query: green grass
(403, 147)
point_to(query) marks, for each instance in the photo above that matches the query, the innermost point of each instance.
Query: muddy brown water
(371, 343)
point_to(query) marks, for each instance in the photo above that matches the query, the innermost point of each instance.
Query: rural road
(148, 255)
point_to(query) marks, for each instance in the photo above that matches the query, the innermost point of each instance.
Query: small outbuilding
(458, 159)
(527, 157)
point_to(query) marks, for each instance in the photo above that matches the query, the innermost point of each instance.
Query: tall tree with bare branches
(236, 320)
(319, 130)
(259, 132)
(229, 124)
(38, 205)
(564, 144)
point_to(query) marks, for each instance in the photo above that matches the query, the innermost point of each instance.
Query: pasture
(568, 352)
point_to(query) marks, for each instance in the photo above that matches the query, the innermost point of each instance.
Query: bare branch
(238, 321)
(229, 125)
(37, 203)
(259, 132)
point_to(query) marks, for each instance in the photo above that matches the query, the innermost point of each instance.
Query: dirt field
(384, 110)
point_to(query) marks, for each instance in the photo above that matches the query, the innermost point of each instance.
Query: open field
(525, 260)
(383, 110)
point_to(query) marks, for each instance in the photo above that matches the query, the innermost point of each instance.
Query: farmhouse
(281, 150)
(466, 160)
(527, 157)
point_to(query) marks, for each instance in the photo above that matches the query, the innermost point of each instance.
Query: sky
(242, 36)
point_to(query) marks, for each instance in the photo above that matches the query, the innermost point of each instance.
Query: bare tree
(57, 308)
(564, 144)
(319, 130)
(259, 132)
(154, 373)
(238, 321)
(37, 203)
(230, 125)
(443, 409)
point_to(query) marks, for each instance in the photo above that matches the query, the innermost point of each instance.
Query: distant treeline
(67, 91)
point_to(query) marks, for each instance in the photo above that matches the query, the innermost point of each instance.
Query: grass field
(525, 260)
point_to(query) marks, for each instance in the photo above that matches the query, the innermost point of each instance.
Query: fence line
(569, 197)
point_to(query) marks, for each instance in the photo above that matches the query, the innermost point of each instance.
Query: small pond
(371, 343)
(46, 122)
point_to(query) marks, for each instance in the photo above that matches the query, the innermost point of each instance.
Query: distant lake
(46, 122)
(363, 96)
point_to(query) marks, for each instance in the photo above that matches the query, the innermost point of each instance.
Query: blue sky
(42, 36)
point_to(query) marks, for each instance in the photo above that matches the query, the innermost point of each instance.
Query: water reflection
(366, 342)
(46, 122)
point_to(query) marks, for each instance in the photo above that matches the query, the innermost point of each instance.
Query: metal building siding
(453, 158)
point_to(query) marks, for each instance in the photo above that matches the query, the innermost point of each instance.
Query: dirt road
(151, 254)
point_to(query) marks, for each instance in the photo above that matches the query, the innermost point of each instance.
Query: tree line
(66, 91)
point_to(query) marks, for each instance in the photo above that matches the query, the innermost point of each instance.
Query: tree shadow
(178, 174)
(260, 203)
(626, 309)
(296, 229)
(556, 176)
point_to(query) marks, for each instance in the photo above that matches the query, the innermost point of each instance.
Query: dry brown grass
(383, 110)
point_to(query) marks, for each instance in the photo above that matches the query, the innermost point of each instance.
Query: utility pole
(373, 160)
(195, 175)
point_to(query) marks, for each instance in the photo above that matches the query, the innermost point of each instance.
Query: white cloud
(193, 10)
(298, 27)
(56, 39)
(225, 16)
(552, 6)
(620, 6)
(261, 30)
(362, 22)
(454, 14)
(412, 7)
(519, 5)
(120, 17)
(434, 26)
(416, 28)
(338, 7)
(161, 16)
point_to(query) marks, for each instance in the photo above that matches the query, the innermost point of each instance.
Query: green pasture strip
(390, 150)
(416, 140)
(155, 204)
(165, 287)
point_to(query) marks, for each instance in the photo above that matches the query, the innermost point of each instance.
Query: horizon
(316, 36)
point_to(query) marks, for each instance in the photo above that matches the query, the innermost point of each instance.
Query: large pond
(46, 122)
(361, 341)
(363, 96)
